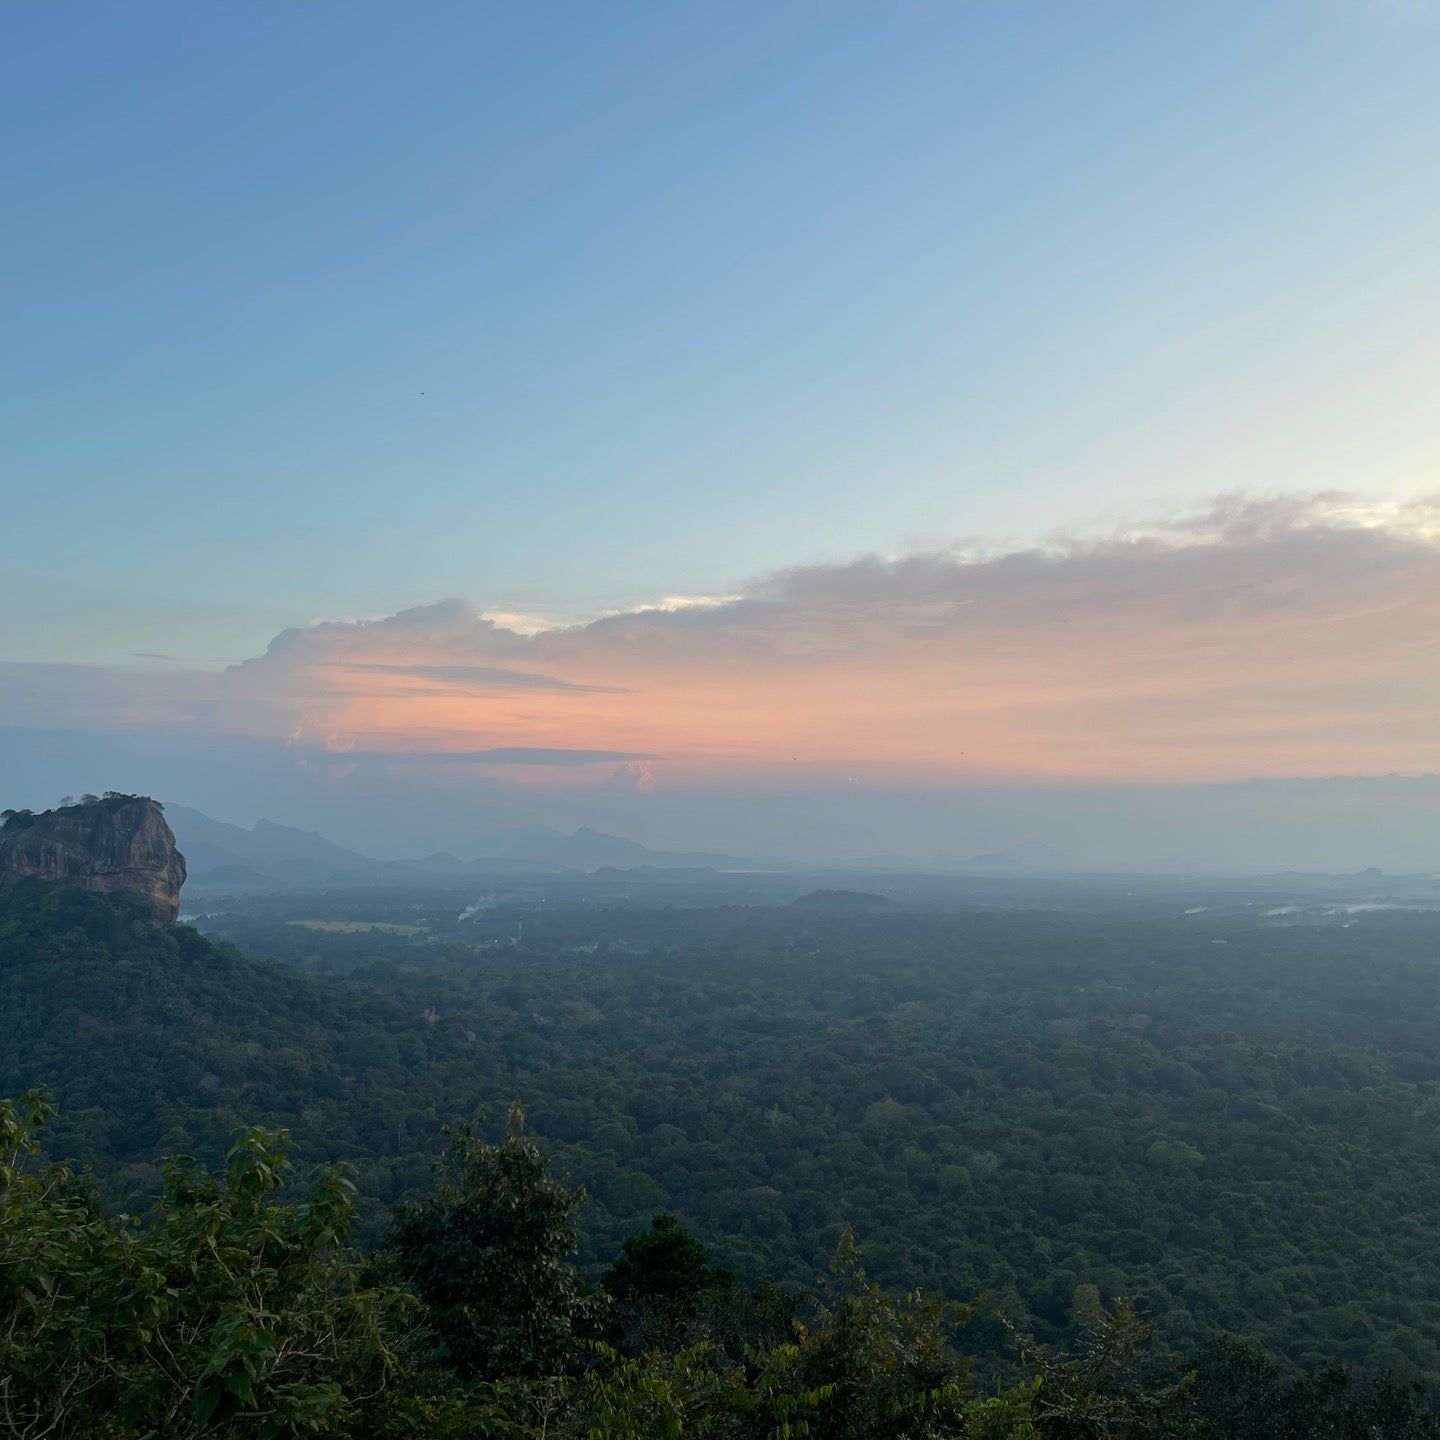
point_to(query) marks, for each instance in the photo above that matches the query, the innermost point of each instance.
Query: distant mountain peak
(590, 849)
(268, 850)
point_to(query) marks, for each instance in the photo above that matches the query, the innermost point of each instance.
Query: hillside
(154, 1039)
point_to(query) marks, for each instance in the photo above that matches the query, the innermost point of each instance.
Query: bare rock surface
(119, 843)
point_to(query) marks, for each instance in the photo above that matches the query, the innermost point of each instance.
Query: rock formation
(119, 843)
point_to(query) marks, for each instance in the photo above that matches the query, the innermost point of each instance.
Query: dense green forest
(1243, 1134)
(1048, 1109)
(236, 1311)
(157, 1041)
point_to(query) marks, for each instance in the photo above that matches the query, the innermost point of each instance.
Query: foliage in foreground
(233, 1312)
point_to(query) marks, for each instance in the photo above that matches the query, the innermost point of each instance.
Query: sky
(805, 428)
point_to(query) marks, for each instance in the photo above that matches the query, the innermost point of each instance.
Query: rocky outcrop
(119, 843)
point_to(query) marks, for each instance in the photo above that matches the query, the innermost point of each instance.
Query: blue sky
(332, 309)
(924, 426)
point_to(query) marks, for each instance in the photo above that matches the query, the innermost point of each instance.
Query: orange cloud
(1286, 637)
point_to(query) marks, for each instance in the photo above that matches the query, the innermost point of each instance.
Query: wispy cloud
(496, 755)
(482, 677)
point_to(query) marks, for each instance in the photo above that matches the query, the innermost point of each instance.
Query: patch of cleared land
(357, 927)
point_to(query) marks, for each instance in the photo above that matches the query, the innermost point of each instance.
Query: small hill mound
(844, 902)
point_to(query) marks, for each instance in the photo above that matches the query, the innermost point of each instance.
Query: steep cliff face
(115, 844)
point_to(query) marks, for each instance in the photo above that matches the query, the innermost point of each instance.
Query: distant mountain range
(270, 856)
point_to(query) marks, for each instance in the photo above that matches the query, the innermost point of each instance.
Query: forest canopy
(236, 1310)
(1056, 1114)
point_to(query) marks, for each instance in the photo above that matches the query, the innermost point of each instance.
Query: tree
(230, 1314)
(667, 1297)
(1243, 1394)
(490, 1255)
(870, 1366)
(664, 1262)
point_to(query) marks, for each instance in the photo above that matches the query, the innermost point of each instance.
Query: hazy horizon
(1335, 824)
